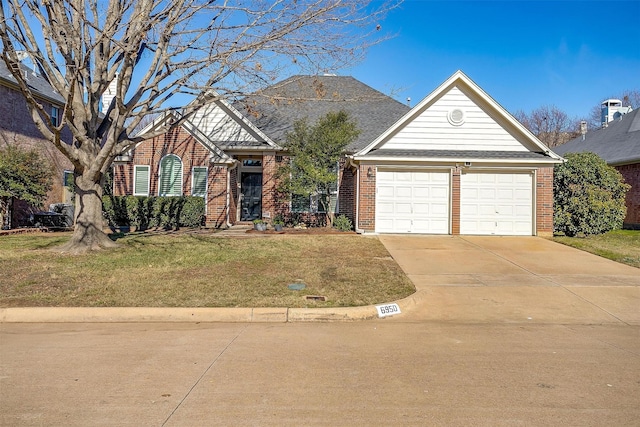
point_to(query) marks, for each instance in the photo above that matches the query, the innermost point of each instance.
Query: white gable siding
(216, 124)
(431, 130)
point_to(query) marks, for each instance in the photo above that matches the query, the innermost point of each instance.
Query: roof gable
(458, 117)
(217, 154)
(617, 144)
(225, 126)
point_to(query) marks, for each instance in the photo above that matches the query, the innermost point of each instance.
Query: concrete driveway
(513, 279)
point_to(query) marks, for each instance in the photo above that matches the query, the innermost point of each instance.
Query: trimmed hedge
(145, 212)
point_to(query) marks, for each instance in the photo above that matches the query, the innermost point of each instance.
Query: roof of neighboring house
(36, 82)
(617, 144)
(275, 109)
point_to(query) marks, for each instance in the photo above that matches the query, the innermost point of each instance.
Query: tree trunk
(88, 234)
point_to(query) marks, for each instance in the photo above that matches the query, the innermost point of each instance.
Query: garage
(412, 201)
(499, 203)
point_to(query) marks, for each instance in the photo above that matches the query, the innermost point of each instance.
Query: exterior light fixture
(370, 172)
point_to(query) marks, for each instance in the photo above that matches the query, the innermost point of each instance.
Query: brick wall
(367, 199)
(346, 191)
(17, 128)
(631, 174)
(455, 201)
(544, 201)
(192, 153)
(270, 202)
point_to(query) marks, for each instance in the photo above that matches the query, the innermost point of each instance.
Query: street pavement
(502, 332)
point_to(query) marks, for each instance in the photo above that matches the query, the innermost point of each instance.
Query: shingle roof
(276, 108)
(618, 143)
(36, 82)
(458, 154)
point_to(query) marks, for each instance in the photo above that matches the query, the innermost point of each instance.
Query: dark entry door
(251, 190)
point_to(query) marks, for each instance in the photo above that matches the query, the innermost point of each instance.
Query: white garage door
(412, 202)
(496, 203)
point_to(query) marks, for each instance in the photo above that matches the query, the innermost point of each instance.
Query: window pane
(199, 181)
(299, 203)
(141, 181)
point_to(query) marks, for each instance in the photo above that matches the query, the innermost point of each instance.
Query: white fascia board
(386, 160)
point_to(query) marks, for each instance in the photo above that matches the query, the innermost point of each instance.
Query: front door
(251, 190)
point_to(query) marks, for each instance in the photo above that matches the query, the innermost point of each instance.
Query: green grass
(619, 245)
(200, 270)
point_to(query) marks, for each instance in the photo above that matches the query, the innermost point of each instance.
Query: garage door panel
(419, 200)
(386, 191)
(496, 203)
(421, 192)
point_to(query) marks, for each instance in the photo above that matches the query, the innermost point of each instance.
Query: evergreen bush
(589, 196)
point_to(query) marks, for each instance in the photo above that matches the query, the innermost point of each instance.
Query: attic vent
(456, 117)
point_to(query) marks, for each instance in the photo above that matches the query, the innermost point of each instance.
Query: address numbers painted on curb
(387, 310)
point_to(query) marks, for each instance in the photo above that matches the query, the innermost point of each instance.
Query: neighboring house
(17, 128)
(457, 163)
(618, 143)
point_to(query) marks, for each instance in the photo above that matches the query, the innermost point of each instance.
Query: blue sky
(524, 54)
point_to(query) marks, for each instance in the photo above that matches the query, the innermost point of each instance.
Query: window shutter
(199, 181)
(170, 176)
(141, 181)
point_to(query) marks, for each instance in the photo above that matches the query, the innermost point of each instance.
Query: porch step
(237, 230)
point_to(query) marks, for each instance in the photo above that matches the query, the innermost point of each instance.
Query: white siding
(431, 130)
(216, 124)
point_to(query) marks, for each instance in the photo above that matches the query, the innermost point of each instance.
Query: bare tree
(155, 50)
(551, 125)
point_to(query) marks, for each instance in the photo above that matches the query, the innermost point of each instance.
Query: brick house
(17, 128)
(618, 143)
(456, 163)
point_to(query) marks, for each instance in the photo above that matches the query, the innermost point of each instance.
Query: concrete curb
(178, 314)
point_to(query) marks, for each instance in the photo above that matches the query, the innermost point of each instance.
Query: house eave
(453, 160)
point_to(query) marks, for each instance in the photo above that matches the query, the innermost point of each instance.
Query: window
(199, 181)
(55, 116)
(314, 203)
(170, 176)
(141, 180)
(251, 162)
(68, 187)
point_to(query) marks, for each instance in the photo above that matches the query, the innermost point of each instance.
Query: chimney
(583, 129)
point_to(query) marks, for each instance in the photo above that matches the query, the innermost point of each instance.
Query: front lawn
(200, 270)
(619, 245)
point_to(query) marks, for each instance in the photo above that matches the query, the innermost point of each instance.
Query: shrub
(342, 223)
(114, 209)
(145, 212)
(192, 214)
(588, 196)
